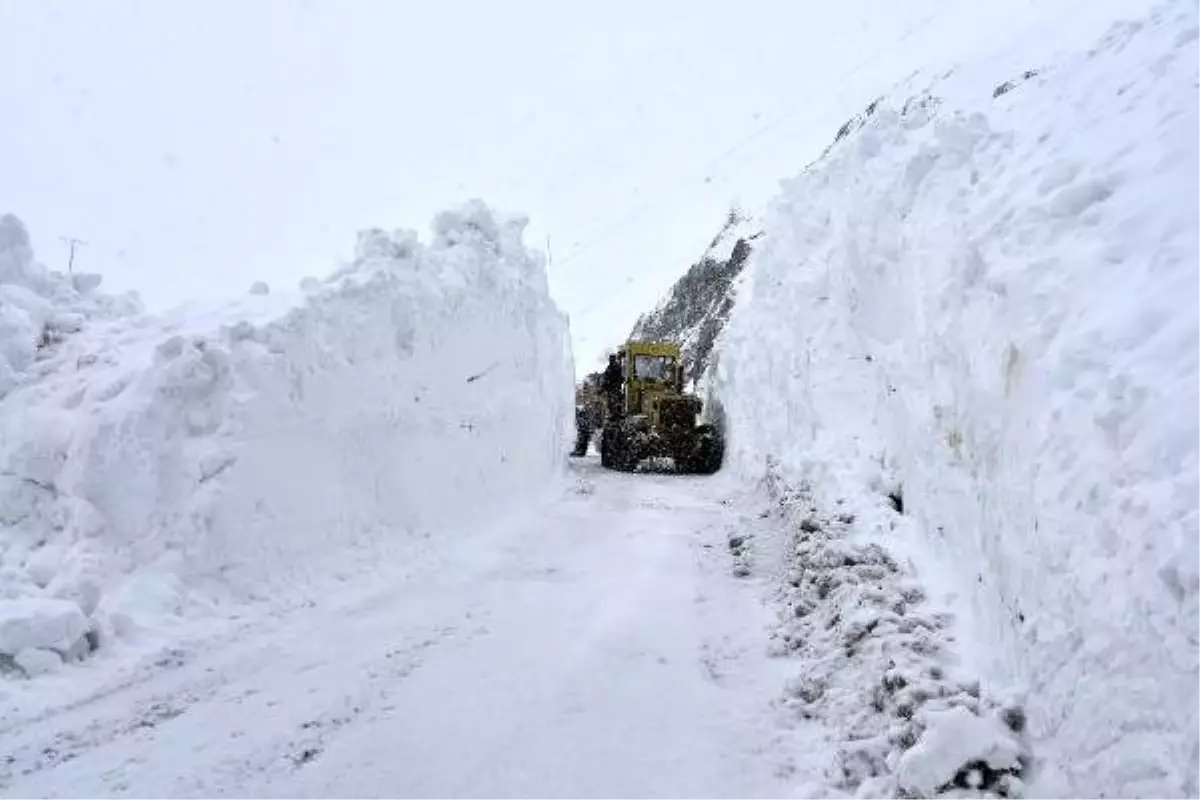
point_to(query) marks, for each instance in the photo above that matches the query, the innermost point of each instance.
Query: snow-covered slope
(699, 303)
(154, 468)
(983, 300)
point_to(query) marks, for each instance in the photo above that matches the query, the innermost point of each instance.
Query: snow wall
(985, 301)
(154, 467)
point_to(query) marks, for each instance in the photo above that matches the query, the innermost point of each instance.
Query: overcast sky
(200, 146)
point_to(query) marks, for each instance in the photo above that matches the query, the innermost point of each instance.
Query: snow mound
(982, 302)
(876, 663)
(952, 738)
(156, 468)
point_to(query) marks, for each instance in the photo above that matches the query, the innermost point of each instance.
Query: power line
(73, 243)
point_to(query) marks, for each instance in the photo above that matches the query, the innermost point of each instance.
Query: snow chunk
(953, 740)
(37, 661)
(40, 622)
(86, 282)
(42, 566)
(260, 288)
(16, 253)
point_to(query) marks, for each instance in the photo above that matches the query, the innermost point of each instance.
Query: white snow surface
(164, 470)
(597, 645)
(985, 301)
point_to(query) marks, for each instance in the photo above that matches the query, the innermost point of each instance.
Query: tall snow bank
(158, 467)
(984, 301)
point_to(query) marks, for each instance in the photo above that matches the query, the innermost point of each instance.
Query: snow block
(40, 622)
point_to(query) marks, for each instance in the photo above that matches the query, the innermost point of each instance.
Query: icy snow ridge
(159, 468)
(984, 301)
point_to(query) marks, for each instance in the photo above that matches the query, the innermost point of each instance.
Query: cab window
(660, 369)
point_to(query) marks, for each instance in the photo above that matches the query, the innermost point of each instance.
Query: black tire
(707, 452)
(617, 450)
(624, 458)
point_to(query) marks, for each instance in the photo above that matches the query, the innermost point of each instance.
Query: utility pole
(73, 243)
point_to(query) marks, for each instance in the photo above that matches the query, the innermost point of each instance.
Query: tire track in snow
(230, 690)
(592, 681)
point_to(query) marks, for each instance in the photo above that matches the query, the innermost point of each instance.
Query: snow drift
(982, 300)
(154, 467)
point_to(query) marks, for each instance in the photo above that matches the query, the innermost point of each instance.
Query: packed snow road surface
(600, 646)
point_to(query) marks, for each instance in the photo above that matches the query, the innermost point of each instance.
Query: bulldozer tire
(617, 450)
(708, 452)
(606, 448)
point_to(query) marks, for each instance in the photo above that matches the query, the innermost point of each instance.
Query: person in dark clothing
(583, 432)
(589, 413)
(611, 384)
(612, 374)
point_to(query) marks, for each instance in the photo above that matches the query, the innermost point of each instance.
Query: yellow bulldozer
(653, 417)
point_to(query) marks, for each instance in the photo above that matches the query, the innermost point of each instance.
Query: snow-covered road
(600, 646)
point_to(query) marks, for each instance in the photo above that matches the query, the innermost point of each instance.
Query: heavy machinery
(652, 416)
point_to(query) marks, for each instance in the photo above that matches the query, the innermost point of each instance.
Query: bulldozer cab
(652, 370)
